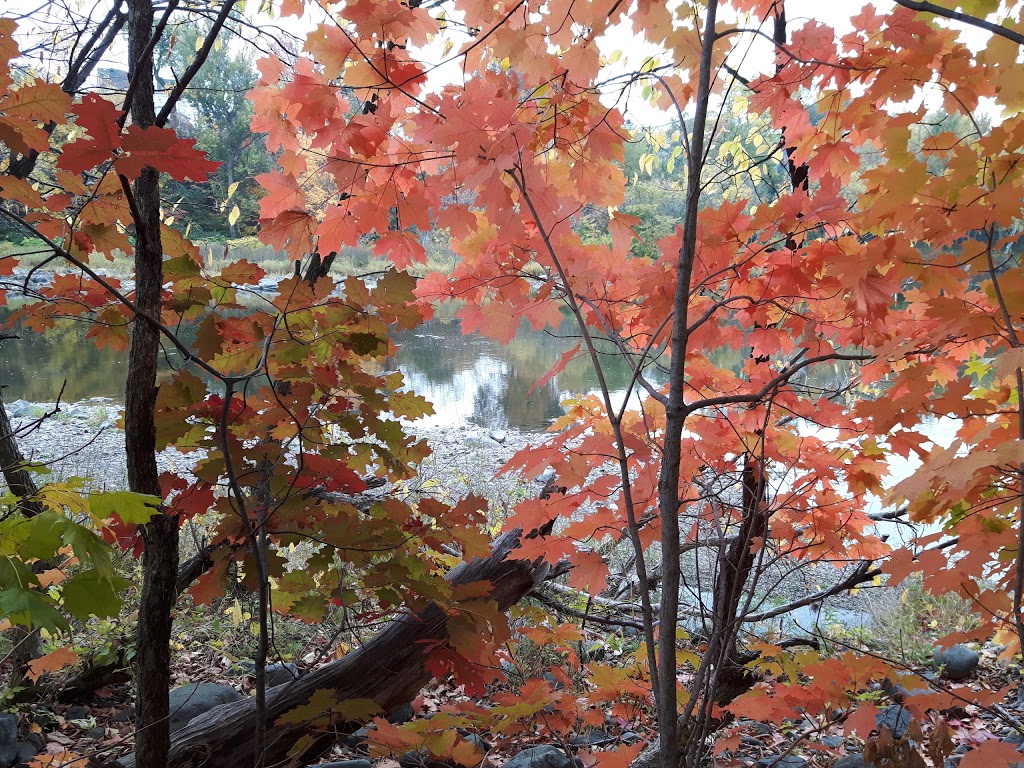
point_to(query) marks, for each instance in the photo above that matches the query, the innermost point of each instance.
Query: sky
(758, 57)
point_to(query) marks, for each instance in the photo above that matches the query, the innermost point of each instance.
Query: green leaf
(89, 547)
(44, 535)
(91, 594)
(132, 508)
(15, 574)
(31, 609)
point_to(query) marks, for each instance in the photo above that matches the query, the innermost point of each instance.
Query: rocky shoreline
(84, 440)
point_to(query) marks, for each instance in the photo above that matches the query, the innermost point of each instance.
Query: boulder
(190, 701)
(8, 738)
(24, 753)
(896, 719)
(19, 408)
(279, 674)
(402, 714)
(956, 663)
(543, 757)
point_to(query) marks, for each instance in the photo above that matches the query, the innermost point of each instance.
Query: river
(469, 379)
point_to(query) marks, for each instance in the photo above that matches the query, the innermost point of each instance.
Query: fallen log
(389, 669)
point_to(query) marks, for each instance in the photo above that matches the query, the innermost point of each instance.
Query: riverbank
(85, 440)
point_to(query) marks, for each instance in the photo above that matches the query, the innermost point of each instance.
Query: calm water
(470, 379)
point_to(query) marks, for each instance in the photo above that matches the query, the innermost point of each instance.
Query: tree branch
(923, 6)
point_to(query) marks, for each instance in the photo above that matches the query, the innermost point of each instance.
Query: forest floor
(215, 644)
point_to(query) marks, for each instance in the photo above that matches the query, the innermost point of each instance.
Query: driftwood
(389, 669)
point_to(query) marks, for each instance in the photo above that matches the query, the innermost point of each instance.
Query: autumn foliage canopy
(870, 230)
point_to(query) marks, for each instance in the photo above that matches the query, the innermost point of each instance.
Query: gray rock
(896, 719)
(499, 437)
(1013, 738)
(357, 741)
(126, 715)
(851, 761)
(8, 739)
(402, 714)
(416, 759)
(360, 763)
(776, 761)
(832, 742)
(543, 757)
(554, 682)
(754, 726)
(23, 753)
(97, 733)
(76, 713)
(18, 409)
(593, 738)
(279, 674)
(479, 742)
(956, 663)
(190, 701)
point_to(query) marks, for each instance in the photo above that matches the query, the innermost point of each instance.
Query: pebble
(777, 761)
(851, 761)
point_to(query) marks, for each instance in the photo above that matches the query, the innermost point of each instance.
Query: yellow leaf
(233, 216)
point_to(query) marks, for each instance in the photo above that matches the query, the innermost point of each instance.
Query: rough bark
(389, 669)
(27, 643)
(160, 557)
(12, 465)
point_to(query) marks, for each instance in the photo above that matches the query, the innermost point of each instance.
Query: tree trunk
(389, 669)
(28, 645)
(160, 558)
(12, 465)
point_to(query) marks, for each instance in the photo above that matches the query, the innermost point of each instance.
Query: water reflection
(35, 367)
(470, 379)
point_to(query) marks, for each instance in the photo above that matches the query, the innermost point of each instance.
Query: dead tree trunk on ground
(390, 669)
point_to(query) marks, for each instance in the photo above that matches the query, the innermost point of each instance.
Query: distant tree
(217, 114)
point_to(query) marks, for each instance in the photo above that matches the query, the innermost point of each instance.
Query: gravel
(84, 440)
